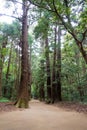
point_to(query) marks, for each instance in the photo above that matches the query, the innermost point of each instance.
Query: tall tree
(23, 88)
(42, 30)
(58, 75)
(48, 72)
(54, 82)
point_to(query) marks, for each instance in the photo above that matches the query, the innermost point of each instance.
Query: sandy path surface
(43, 117)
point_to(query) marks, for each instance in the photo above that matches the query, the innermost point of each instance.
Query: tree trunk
(83, 52)
(0, 81)
(18, 73)
(41, 86)
(29, 73)
(58, 75)
(48, 83)
(23, 95)
(53, 88)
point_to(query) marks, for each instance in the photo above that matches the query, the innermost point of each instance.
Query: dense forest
(43, 51)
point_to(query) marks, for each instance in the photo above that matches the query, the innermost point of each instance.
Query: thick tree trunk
(58, 75)
(48, 84)
(23, 95)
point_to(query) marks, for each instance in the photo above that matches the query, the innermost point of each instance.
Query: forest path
(41, 116)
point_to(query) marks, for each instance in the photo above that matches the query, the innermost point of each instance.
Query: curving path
(43, 117)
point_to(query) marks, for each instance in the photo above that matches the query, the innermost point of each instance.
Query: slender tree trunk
(48, 71)
(41, 86)
(0, 81)
(23, 95)
(29, 73)
(18, 73)
(1, 66)
(53, 90)
(58, 75)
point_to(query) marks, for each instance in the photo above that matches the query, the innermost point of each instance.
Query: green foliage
(71, 15)
(43, 26)
(3, 99)
(34, 91)
(8, 86)
(74, 80)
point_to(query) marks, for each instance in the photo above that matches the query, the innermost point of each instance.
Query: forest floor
(40, 116)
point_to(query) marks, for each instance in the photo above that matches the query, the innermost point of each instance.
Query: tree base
(22, 103)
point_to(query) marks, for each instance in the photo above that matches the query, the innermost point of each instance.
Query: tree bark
(23, 95)
(81, 49)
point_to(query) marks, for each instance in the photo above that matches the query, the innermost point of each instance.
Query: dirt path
(43, 117)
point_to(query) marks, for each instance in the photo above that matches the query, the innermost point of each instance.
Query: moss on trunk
(22, 103)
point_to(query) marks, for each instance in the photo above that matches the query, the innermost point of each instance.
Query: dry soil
(41, 116)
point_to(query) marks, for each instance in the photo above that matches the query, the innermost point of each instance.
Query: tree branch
(67, 13)
(40, 6)
(84, 34)
(11, 16)
(63, 22)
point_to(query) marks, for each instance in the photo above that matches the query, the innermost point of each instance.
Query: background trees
(53, 58)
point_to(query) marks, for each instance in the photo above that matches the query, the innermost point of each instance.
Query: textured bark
(23, 95)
